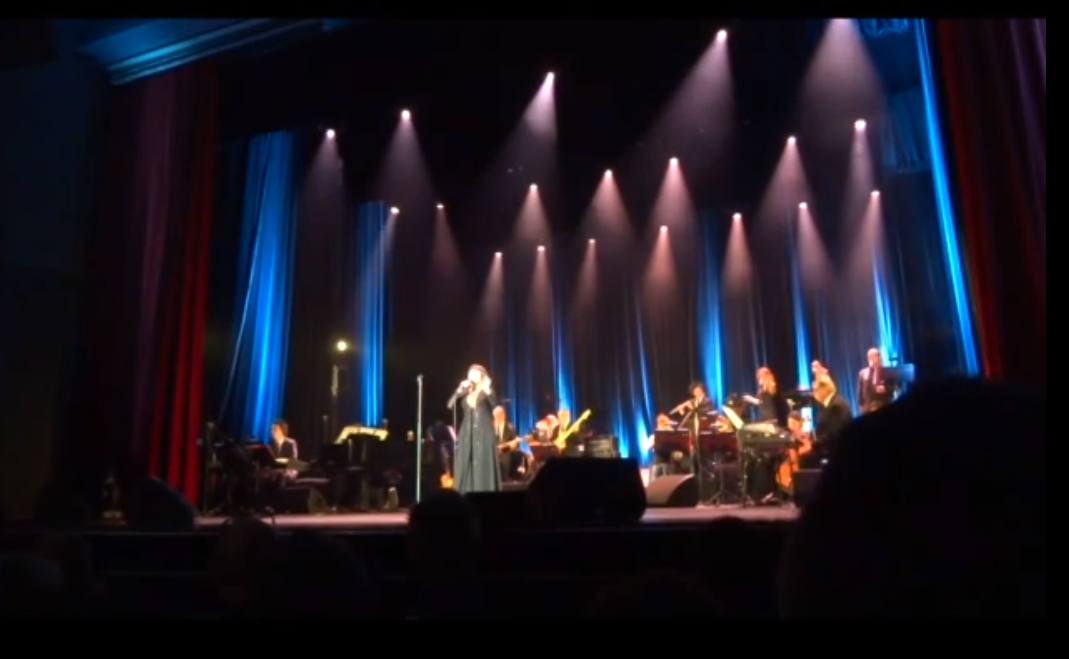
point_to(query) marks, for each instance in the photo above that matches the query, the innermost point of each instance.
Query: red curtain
(149, 259)
(994, 79)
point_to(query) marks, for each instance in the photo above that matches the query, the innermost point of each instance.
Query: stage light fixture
(664, 228)
(737, 216)
(534, 187)
(395, 210)
(875, 193)
(341, 346)
(541, 248)
(791, 140)
(608, 173)
(673, 162)
(591, 241)
(859, 124)
(803, 206)
(440, 206)
(330, 133)
(406, 115)
(550, 77)
(497, 255)
(722, 36)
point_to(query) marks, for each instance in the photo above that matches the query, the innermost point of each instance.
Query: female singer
(475, 465)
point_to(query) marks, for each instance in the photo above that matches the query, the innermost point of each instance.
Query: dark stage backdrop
(142, 377)
(633, 349)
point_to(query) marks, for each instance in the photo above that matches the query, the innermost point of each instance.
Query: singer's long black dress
(475, 468)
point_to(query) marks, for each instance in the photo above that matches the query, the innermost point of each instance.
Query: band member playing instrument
(872, 390)
(283, 449)
(771, 408)
(509, 456)
(801, 445)
(771, 405)
(698, 403)
(476, 466)
(820, 372)
(676, 463)
(832, 414)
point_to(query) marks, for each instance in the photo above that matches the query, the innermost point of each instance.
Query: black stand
(745, 463)
(717, 499)
(691, 422)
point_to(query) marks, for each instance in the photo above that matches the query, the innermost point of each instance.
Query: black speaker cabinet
(578, 491)
(673, 492)
(805, 484)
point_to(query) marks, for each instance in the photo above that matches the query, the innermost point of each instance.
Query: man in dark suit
(832, 415)
(284, 450)
(873, 391)
(282, 447)
(509, 456)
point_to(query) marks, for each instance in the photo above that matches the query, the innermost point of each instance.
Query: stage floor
(384, 522)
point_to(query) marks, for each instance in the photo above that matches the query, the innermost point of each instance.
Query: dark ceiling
(468, 84)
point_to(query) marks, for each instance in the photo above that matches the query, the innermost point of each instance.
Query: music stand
(667, 442)
(721, 446)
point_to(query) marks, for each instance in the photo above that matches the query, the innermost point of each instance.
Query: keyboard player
(274, 477)
(282, 447)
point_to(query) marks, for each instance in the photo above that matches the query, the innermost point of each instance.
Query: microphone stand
(419, 437)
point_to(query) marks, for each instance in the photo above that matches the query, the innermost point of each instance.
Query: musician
(872, 390)
(832, 414)
(699, 405)
(797, 455)
(476, 468)
(771, 405)
(676, 463)
(820, 372)
(509, 456)
(573, 446)
(283, 449)
(281, 446)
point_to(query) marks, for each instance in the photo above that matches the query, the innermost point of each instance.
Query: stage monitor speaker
(679, 491)
(805, 484)
(579, 491)
(151, 504)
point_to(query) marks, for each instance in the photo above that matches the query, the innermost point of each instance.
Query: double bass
(800, 445)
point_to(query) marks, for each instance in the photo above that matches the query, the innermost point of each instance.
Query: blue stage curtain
(370, 318)
(256, 378)
(562, 347)
(709, 307)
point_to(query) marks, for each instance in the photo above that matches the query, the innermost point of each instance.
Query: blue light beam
(256, 382)
(951, 251)
(369, 329)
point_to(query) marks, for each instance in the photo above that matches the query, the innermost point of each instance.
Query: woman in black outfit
(476, 466)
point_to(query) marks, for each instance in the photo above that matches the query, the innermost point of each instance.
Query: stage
(385, 522)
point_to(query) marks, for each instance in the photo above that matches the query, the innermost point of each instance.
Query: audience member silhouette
(83, 592)
(444, 544)
(660, 594)
(320, 576)
(243, 565)
(29, 586)
(933, 506)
